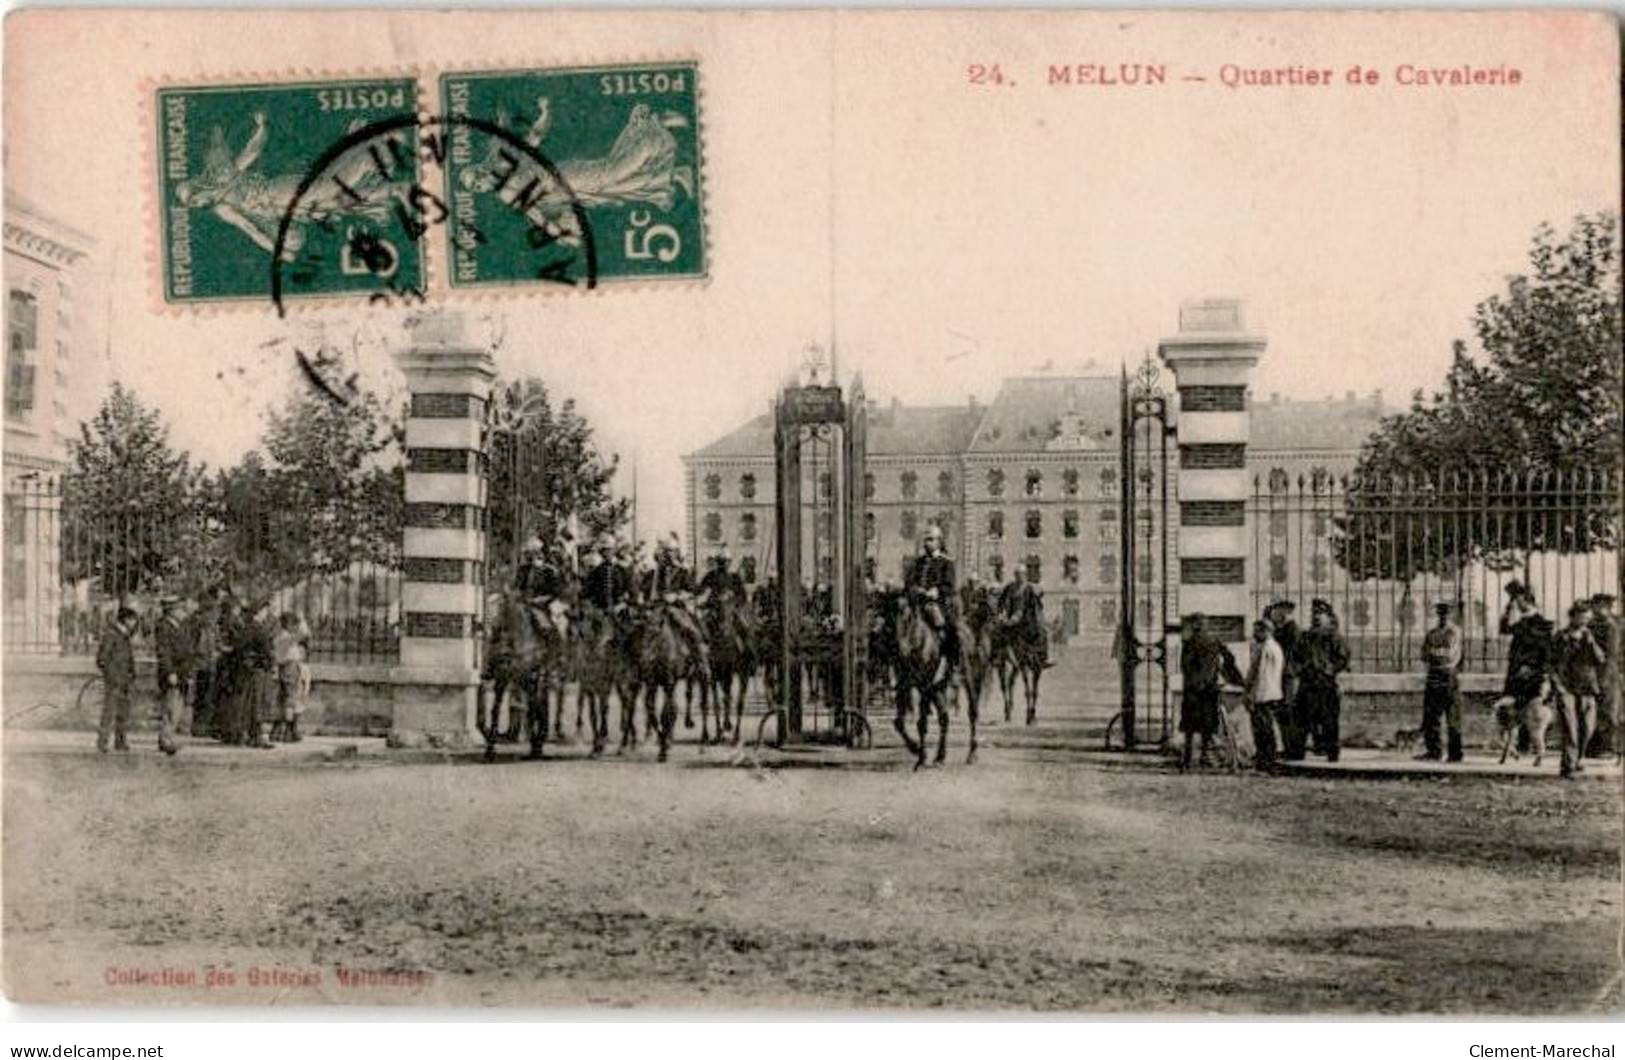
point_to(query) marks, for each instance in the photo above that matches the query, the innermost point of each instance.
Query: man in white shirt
(1265, 698)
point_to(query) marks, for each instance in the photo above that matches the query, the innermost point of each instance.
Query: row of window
(909, 484)
(908, 525)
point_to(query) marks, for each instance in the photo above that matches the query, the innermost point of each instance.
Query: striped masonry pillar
(1212, 358)
(436, 685)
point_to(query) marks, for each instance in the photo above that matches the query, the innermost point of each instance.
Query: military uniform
(719, 581)
(608, 586)
(935, 571)
(1022, 603)
(1576, 657)
(115, 658)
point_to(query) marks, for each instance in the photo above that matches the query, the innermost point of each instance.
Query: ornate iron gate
(1148, 608)
(810, 415)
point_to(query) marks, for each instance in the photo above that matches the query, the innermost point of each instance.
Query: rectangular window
(22, 340)
(1069, 524)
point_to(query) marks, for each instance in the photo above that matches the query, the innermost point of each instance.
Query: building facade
(1030, 480)
(56, 370)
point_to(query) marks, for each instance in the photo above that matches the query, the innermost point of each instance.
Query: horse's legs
(1029, 678)
(537, 700)
(668, 717)
(1007, 686)
(972, 709)
(942, 729)
(558, 713)
(924, 725)
(900, 722)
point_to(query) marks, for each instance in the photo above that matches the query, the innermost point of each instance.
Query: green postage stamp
(604, 160)
(232, 160)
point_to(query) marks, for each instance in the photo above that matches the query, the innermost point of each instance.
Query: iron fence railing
(1383, 550)
(71, 558)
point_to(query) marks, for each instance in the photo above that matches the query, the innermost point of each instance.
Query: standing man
(115, 658)
(931, 582)
(1529, 654)
(1441, 695)
(1295, 723)
(204, 634)
(1605, 630)
(1323, 656)
(1576, 658)
(174, 671)
(1205, 663)
(1264, 691)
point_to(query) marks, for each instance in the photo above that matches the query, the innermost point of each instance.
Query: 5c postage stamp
(613, 161)
(233, 159)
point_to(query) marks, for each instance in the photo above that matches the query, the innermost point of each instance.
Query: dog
(1405, 740)
(1536, 717)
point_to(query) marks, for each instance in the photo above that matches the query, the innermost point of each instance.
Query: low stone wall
(45, 692)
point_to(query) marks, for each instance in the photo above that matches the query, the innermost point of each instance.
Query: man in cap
(931, 582)
(1322, 656)
(1205, 664)
(1529, 653)
(1295, 724)
(1605, 631)
(538, 578)
(1265, 671)
(1442, 653)
(1576, 660)
(172, 646)
(672, 583)
(115, 658)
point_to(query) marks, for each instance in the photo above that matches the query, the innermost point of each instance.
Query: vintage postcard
(1058, 511)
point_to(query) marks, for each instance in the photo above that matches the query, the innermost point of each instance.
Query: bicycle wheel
(1114, 733)
(87, 705)
(859, 736)
(771, 717)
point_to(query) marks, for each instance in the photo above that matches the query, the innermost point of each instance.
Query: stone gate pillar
(436, 685)
(1212, 358)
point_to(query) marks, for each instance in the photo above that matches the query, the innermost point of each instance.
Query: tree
(330, 492)
(129, 517)
(544, 468)
(1530, 429)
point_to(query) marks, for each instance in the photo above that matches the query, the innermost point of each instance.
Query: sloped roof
(1339, 423)
(1031, 411)
(893, 430)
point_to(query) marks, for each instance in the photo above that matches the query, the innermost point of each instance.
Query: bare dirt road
(1037, 879)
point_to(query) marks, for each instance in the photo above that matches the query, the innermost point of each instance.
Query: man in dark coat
(1322, 655)
(1205, 663)
(1576, 661)
(931, 582)
(1295, 722)
(722, 580)
(115, 658)
(608, 584)
(173, 646)
(1441, 695)
(1022, 605)
(1529, 653)
(1604, 630)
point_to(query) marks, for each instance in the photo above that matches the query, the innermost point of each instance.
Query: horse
(918, 665)
(1021, 646)
(597, 656)
(525, 651)
(661, 657)
(732, 634)
(976, 650)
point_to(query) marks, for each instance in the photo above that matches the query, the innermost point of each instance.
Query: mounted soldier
(722, 580)
(608, 581)
(931, 583)
(672, 583)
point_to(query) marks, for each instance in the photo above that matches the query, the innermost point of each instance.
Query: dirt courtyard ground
(1039, 879)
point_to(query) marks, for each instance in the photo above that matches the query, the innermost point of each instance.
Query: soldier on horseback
(672, 583)
(1022, 606)
(608, 584)
(722, 580)
(931, 583)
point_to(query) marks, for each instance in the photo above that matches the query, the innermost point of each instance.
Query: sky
(863, 195)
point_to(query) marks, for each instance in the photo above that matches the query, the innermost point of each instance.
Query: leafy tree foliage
(128, 501)
(545, 468)
(1529, 430)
